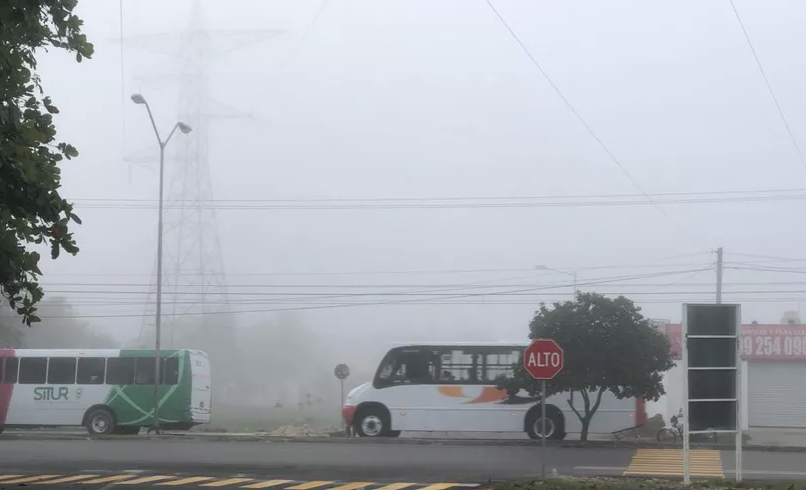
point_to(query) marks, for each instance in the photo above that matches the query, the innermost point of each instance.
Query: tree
(608, 346)
(60, 329)
(31, 209)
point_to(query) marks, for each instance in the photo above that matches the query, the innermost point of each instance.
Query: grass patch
(251, 419)
(572, 483)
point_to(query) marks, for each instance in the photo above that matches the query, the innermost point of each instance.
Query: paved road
(302, 461)
(310, 466)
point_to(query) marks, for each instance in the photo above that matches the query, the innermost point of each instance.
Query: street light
(572, 274)
(185, 129)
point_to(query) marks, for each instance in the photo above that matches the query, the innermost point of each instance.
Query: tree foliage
(60, 329)
(31, 209)
(609, 347)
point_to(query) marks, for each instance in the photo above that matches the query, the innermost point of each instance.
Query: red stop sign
(543, 359)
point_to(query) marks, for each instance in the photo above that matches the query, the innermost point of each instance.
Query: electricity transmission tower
(194, 287)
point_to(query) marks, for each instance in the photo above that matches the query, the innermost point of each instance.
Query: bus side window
(170, 368)
(144, 371)
(419, 368)
(10, 373)
(91, 371)
(33, 370)
(62, 371)
(120, 371)
(460, 365)
(500, 363)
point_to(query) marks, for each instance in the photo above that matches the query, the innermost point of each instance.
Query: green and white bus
(108, 391)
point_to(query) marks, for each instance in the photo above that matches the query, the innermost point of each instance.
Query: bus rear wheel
(553, 426)
(100, 422)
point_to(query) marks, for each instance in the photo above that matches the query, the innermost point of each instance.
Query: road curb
(397, 441)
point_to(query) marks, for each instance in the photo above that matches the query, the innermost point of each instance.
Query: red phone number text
(773, 346)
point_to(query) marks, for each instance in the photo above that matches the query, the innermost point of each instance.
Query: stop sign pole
(342, 372)
(543, 360)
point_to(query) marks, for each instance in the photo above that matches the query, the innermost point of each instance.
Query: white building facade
(773, 391)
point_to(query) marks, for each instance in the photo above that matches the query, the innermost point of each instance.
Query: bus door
(404, 384)
(201, 397)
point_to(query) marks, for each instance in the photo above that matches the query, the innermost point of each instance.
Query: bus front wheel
(374, 422)
(100, 422)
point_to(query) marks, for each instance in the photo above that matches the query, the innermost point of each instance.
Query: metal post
(158, 320)
(543, 429)
(739, 429)
(719, 275)
(140, 100)
(686, 421)
(343, 428)
(574, 298)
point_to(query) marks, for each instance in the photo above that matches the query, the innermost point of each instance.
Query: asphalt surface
(301, 461)
(311, 464)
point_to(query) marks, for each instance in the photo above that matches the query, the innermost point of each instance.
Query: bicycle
(670, 433)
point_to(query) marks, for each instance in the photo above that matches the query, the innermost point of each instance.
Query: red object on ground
(348, 412)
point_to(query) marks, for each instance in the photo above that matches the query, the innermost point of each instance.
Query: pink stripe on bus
(5, 389)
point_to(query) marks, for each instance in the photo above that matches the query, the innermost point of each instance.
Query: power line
(579, 117)
(330, 296)
(389, 302)
(628, 265)
(310, 26)
(316, 300)
(770, 258)
(767, 83)
(430, 287)
(447, 203)
(699, 296)
(704, 296)
(463, 198)
(595, 281)
(769, 269)
(626, 288)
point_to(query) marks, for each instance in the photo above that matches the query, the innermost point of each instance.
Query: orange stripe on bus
(489, 394)
(451, 391)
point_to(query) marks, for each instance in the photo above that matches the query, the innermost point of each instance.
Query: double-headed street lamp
(184, 128)
(572, 274)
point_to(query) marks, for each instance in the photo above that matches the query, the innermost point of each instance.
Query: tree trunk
(586, 422)
(589, 411)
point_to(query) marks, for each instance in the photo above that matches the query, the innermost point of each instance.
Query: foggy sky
(435, 99)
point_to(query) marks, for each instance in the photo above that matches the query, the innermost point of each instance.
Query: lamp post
(573, 274)
(184, 128)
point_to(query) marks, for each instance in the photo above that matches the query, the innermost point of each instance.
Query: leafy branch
(32, 212)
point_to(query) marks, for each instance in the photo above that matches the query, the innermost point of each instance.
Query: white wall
(670, 403)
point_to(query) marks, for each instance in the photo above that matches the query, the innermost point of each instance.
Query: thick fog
(383, 171)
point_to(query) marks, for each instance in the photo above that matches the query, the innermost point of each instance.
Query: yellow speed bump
(669, 462)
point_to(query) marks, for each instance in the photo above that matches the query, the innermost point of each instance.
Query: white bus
(108, 391)
(451, 387)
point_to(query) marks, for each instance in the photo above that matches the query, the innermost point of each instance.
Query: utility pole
(719, 275)
(184, 128)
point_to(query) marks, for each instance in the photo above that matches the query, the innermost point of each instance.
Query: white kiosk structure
(712, 377)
